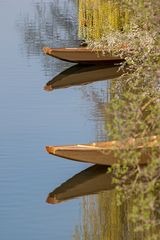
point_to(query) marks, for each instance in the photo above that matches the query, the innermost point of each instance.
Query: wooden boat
(82, 55)
(106, 153)
(90, 181)
(81, 74)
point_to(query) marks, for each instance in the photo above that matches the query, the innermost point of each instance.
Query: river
(31, 118)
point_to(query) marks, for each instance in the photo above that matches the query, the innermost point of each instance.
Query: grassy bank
(131, 29)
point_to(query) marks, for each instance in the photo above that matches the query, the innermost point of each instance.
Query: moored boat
(106, 153)
(82, 55)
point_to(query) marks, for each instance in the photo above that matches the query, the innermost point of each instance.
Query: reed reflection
(103, 219)
(52, 23)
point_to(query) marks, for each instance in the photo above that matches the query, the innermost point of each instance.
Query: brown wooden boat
(82, 55)
(106, 153)
(81, 74)
(90, 181)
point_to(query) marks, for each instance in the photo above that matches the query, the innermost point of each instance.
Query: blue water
(31, 118)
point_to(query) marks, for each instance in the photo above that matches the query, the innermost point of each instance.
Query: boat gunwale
(131, 143)
(78, 49)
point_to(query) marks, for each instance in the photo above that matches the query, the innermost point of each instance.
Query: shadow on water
(90, 181)
(81, 75)
(102, 218)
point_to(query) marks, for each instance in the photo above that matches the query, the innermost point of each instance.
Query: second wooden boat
(82, 55)
(106, 153)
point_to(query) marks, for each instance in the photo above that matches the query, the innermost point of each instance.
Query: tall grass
(97, 17)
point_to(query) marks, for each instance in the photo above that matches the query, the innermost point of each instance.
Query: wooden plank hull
(81, 55)
(92, 180)
(80, 75)
(106, 153)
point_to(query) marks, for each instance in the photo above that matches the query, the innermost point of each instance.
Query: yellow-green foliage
(97, 17)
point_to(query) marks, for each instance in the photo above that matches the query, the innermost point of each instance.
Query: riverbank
(134, 109)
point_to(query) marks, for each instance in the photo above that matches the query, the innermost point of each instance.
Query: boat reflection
(90, 181)
(81, 74)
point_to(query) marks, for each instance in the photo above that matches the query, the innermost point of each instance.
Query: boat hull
(106, 153)
(81, 55)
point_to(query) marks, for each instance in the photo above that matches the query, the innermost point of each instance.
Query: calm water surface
(31, 118)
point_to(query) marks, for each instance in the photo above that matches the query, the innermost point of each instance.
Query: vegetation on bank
(131, 29)
(93, 15)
